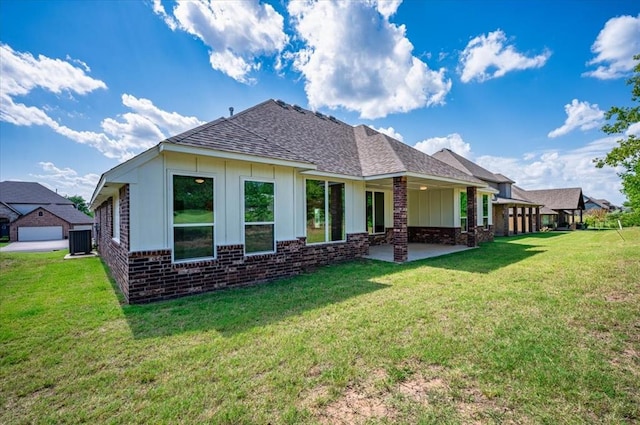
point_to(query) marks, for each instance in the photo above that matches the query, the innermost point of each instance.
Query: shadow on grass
(233, 311)
(237, 310)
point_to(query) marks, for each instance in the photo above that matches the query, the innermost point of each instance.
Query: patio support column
(524, 219)
(530, 218)
(472, 215)
(538, 221)
(400, 232)
(505, 220)
(515, 220)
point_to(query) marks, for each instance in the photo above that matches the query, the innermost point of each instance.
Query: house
(270, 192)
(561, 206)
(591, 204)
(513, 211)
(31, 212)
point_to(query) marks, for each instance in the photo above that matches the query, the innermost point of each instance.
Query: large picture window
(463, 212)
(325, 211)
(485, 211)
(259, 221)
(193, 218)
(375, 212)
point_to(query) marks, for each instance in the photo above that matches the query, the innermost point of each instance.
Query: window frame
(463, 209)
(373, 212)
(243, 180)
(327, 222)
(172, 225)
(115, 217)
(485, 217)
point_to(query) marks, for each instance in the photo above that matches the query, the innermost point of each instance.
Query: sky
(520, 88)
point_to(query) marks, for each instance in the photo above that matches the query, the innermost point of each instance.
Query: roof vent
(332, 118)
(298, 108)
(281, 103)
(319, 115)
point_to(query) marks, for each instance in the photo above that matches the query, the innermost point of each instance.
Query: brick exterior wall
(439, 235)
(34, 219)
(151, 276)
(400, 233)
(472, 216)
(382, 238)
(484, 235)
(114, 253)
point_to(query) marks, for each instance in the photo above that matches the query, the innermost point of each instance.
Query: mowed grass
(531, 329)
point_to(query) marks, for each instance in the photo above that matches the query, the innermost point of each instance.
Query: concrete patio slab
(36, 246)
(417, 251)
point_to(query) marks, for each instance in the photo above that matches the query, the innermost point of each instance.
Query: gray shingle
(29, 193)
(461, 163)
(558, 199)
(69, 214)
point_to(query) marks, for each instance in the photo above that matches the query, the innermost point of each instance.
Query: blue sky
(518, 87)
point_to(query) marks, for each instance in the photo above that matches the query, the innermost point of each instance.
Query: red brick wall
(33, 219)
(152, 276)
(400, 232)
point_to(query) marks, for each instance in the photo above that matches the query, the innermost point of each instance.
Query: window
(375, 212)
(193, 218)
(463, 212)
(40, 214)
(115, 228)
(325, 211)
(485, 211)
(259, 222)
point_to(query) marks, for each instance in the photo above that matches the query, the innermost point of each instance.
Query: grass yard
(526, 330)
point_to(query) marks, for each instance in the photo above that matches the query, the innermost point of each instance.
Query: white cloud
(614, 48)
(238, 32)
(356, 59)
(582, 115)
(66, 181)
(490, 56)
(121, 138)
(562, 168)
(453, 142)
(391, 132)
(21, 73)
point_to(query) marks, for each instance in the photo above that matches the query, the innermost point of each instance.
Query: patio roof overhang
(418, 181)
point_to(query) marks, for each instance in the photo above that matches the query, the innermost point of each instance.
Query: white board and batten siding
(150, 207)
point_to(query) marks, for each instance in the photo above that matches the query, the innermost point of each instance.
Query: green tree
(81, 204)
(627, 153)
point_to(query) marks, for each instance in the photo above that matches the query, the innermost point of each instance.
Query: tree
(627, 153)
(81, 204)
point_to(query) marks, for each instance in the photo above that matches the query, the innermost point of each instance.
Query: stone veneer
(381, 238)
(437, 235)
(147, 276)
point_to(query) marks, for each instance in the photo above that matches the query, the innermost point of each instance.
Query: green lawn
(527, 330)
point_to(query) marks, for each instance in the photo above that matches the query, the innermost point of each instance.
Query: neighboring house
(597, 204)
(513, 212)
(270, 192)
(560, 206)
(31, 212)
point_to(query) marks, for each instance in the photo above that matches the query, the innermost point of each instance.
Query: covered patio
(415, 251)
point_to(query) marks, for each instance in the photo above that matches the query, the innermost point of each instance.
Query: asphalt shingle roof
(68, 213)
(29, 193)
(461, 163)
(558, 199)
(274, 129)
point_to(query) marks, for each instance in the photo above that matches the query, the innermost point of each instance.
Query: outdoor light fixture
(199, 180)
(423, 187)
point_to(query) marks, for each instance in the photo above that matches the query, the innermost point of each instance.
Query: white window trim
(466, 217)
(195, 174)
(244, 223)
(384, 208)
(116, 217)
(326, 209)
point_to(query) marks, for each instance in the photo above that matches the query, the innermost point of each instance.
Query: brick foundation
(484, 235)
(438, 235)
(382, 238)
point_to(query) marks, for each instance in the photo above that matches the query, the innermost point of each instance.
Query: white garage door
(45, 233)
